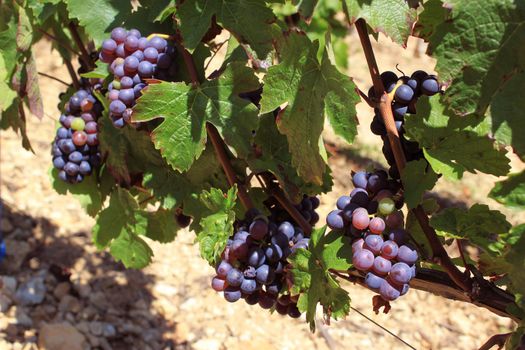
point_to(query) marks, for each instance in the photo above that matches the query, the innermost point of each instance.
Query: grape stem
(54, 78)
(477, 289)
(439, 283)
(216, 139)
(78, 40)
(72, 74)
(498, 339)
(365, 98)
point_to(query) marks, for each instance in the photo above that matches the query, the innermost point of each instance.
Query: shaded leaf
(417, 178)
(511, 191)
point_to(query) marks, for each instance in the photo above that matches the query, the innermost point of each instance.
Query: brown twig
(463, 258)
(283, 200)
(53, 78)
(440, 283)
(365, 98)
(439, 253)
(85, 57)
(72, 74)
(498, 339)
(216, 139)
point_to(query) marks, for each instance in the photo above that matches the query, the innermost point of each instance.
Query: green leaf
(479, 225)
(307, 87)
(253, 29)
(515, 259)
(453, 144)
(131, 250)
(478, 49)
(216, 222)
(86, 192)
(24, 30)
(115, 220)
(417, 178)
(159, 225)
(394, 18)
(310, 276)
(98, 17)
(510, 192)
(100, 71)
(182, 134)
(7, 96)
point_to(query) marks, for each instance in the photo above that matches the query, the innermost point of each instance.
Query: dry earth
(71, 296)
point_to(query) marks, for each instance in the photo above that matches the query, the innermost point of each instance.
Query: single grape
(360, 219)
(360, 198)
(256, 257)
(139, 55)
(358, 245)
(281, 309)
(62, 175)
(273, 253)
(78, 124)
(135, 33)
(84, 168)
(218, 284)
(274, 287)
(376, 183)
(71, 168)
(223, 268)
(127, 96)
(399, 110)
(265, 274)
(266, 301)
(287, 229)
(407, 255)
(158, 43)
(386, 206)
(377, 127)
(404, 93)
(430, 86)
(151, 54)
(360, 179)
(389, 249)
(400, 273)
(363, 259)
(232, 294)
(62, 133)
(234, 277)
(395, 219)
(92, 139)
(389, 80)
(388, 292)
(138, 88)
(419, 75)
(342, 202)
(119, 34)
(373, 281)
(240, 249)
(258, 229)
(126, 83)
(119, 71)
(281, 240)
(248, 286)
(382, 266)
(67, 146)
(143, 43)
(293, 311)
(79, 138)
(315, 202)
(377, 225)
(335, 220)
(163, 61)
(117, 107)
(131, 64)
(145, 69)
(413, 83)
(59, 163)
(131, 43)
(373, 243)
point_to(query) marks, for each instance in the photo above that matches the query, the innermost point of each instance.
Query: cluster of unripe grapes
(379, 248)
(254, 260)
(75, 149)
(133, 58)
(406, 92)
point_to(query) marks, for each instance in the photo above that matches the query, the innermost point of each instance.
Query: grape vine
(212, 117)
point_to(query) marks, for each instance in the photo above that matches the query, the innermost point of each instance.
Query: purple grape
(389, 249)
(120, 52)
(67, 146)
(62, 176)
(315, 202)
(342, 202)
(127, 96)
(287, 229)
(256, 257)
(374, 243)
(363, 259)
(109, 46)
(131, 43)
(131, 64)
(75, 157)
(218, 284)
(241, 235)
(234, 277)
(143, 43)
(85, 168)
(274, 288)
(399, 110)
(381, 265)
(266, 301)
(117, 107)
(398, 235)
(293, 311)
(280, 239)
(430, 86)
(335, 220)
(138, 88)
(135, 33)
(139, 55)
(388, 292)
(240, 249)
(373, 281)
(273, 253)
(360, 198)
(151, 54)
(376, 183)
(119, 70)
(358, 245)
(113, 95)
(404, 93)
(126, 82)
(360, 179)
(258, 229)
(407, 255)
(265, 274)
(59, 163)
(400, 273)
(377, 225)
(145, 69)
(71, 169)
(163, 61)
(248, 286)
(91, 127)
(119, 34)
(232, 294)
(158, 43)
(62, 133)
(223, 268)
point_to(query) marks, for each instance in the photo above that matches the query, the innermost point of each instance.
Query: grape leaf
(253, 29)
(98, 16)
(394, 18)
(7, 96)
(479, 59)
(440, 135)
(131, 250)
(417, 178)
(216, 222)
(306, 8)
(34, 98)
(270, 153)
(100, 71)
(159, 225)
(311, 277)
(24, 30)
(434, 13)
(86, 192)
(479, 225)
(515, 259)
(182, 135)
(511, 191)
(308, 87)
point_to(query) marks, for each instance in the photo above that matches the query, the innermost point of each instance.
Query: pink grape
(377, 225)
(400, 273)
(360, 219)
(358, 245)
(389, 250)
(388, 292)
(363, 259)
(381, 265)
(218, 284)
(407, 255)
(373, 243)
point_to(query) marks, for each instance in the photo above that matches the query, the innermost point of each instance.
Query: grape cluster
(254, 260)
(133, 58)
(75, 149)
(407, 91)
(379, 246)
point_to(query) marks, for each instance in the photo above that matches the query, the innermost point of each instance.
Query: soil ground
(169, 305)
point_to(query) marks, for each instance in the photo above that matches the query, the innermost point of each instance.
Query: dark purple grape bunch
(407, 92)
(253, 264)
(134, 58)
(75, 148)
(375, 224)
(306, 207)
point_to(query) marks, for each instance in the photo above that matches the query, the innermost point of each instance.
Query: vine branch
(53, 78)
(85, 57)
(498, 339)
(216, 139)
